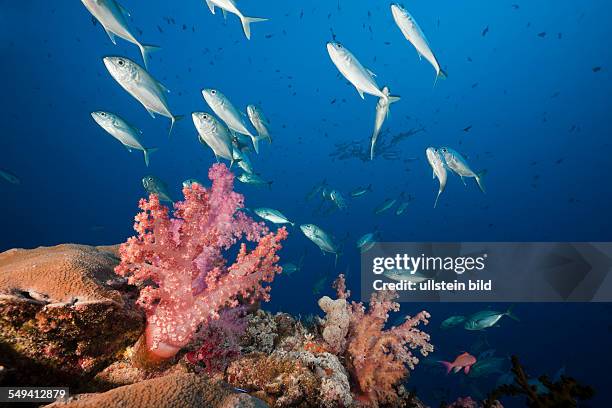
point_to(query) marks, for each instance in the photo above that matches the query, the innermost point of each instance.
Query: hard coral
(179, 260)
(171, 391)
(378, 359)
(64, 314)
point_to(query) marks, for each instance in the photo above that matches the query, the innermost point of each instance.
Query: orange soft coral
(379, 359)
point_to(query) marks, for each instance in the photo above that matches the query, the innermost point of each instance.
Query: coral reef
(563, 393)
(178, 261)
(170, 391)
(218, 341)
(377, 359)
(64, 314)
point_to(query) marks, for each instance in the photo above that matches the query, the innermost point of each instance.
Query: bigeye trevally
(243, 160)
(259, 122)
(113, 18)
(350, 67)
(382, 112)
(272, 215)
(214, 134)
(321, 239)
(154, 185)
(142, 86)
(413, 33)
(254, 179)
(230, 6)
(226, 111)
(458, 164)
(127, 134)
(436, 161)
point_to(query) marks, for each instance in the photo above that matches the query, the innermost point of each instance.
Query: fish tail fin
(479, 179)
(246, 24)
(145, 49)
(393, 99)
(511, 315)
(255, 143)
(437, 198)
(173, 120)
(147, 151)
(448, 366)
(440, 75)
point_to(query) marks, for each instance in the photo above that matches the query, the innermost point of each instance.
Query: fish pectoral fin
(361, 93)
(111, 35)
(224, 14)
(371, 73)
(420, 56)
(211, 6)
(463, 180)
(150, 112)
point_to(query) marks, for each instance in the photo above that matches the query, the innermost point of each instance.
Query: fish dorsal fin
(371, 73)
(111, 35)
(124, 10)
(211, 6)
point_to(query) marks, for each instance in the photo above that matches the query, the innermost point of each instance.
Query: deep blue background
(538, 111)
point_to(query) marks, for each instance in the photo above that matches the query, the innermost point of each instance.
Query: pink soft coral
(379, 359)
(180, 262)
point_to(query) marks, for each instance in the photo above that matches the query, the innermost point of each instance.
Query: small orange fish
(463, 361)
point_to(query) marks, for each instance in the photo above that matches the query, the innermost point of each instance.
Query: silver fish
(154, 185)
(405, 275)
(366, 241)
(259, 122)
(229, 6)
(10, 177)
(402, 207)
(359, 191)
(290, 268)
(387, 204)
(254, 179)
(487, 318)
(321, 239)
(189, 182)
(142, 86)
(113, 18)
(243, 160)
(214, 134)
(224, 109)
(382, 112)
(272, 215)
(361, 78)
(413, 33)
(436, 161)
(338, 199)
(458, 164)
(127, 134)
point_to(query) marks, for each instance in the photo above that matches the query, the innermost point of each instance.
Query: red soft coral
(179, 260)
(379, 359)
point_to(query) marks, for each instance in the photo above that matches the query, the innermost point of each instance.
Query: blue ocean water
(527, 98)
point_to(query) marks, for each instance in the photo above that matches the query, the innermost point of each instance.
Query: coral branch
(179, 262)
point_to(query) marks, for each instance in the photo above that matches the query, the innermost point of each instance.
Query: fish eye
(120, 62)
(205, 116)
(103, 114)
(339, 45)
(213, 92)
